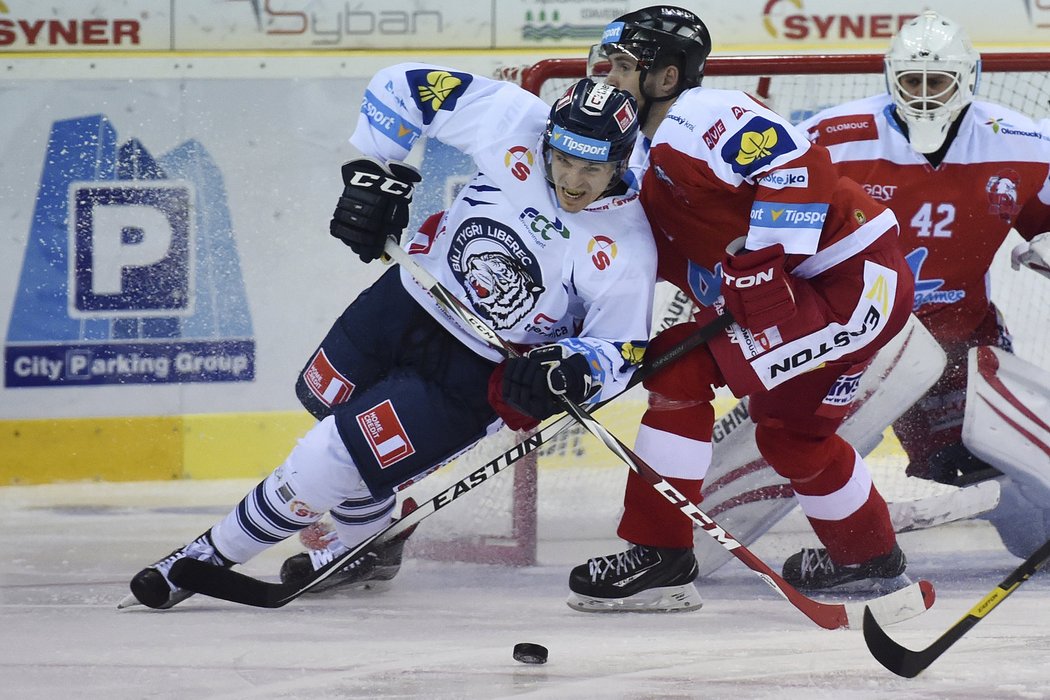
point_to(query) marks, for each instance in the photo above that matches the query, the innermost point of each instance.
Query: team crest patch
(633, 352)
(756, 145)
(1002, 193)
(433, 90)
(498, 271)
(325, 381)
(385, 434)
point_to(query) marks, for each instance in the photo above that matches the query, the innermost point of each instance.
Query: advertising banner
(561, 26)
(156, 232)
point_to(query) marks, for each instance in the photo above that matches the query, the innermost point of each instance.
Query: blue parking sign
(131, 245)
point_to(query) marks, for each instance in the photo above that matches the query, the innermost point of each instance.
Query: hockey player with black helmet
(749, 218)
(556, 255)
(655, 54)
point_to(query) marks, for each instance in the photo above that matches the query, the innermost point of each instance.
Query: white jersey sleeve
(469, 112)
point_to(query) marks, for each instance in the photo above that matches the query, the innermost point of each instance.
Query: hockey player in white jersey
(959, 173)
(547, 243)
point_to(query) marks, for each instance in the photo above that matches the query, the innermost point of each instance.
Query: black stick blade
(229, 585)
(901, 660)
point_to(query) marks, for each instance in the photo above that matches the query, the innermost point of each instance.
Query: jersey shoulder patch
(756, 144)
(844, 129)
(436, 89)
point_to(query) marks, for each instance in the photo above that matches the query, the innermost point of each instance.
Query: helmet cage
(961, 79)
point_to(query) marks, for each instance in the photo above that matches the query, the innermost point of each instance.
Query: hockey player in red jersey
(959, 173)
(751, 218)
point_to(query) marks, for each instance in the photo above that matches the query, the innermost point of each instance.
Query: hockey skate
(641, 579)
(813, 570)
(373, 569)
(151, 587)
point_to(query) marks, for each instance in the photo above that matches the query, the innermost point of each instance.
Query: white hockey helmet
(931, 46)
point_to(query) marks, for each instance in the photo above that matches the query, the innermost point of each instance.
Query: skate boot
(370, 570)
(813, 570)
(642, 579)
(151, 586)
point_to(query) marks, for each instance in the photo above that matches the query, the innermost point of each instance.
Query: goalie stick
(908, 601)
(908, 663)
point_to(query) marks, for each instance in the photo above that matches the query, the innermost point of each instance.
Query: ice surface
(447, 630)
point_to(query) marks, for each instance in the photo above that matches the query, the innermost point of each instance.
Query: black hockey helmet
(593, 121)
(658, 36)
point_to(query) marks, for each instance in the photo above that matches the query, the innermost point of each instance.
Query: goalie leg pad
(744, 492)
(1006, 423)
(1022, 525)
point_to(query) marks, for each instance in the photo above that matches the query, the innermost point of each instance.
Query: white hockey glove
(1034, 254)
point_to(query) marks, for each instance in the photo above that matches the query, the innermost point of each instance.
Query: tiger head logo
(500, 288)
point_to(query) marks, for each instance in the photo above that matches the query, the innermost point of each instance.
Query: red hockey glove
(756, 288)
(515, 419)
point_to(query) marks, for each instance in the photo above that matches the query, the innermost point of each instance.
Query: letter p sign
(131, 249)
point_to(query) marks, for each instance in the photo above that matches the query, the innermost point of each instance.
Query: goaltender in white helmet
(932, 71)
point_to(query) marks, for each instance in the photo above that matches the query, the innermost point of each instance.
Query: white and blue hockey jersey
(504, 246)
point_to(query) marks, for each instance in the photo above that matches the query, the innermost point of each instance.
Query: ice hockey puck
(528, 653)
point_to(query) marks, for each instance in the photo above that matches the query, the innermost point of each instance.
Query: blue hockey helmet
(593, 121)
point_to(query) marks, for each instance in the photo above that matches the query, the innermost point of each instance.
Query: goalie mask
(593, 122)
(656, 37)
(931, 73)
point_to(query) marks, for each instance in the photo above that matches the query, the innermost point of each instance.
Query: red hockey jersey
(722, 166)
(954, 217)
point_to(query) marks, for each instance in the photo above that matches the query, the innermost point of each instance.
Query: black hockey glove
(532, 383)
(374, 205)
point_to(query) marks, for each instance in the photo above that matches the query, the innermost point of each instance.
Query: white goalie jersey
(534, 272)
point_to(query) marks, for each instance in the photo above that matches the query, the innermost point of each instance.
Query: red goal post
(532, 77)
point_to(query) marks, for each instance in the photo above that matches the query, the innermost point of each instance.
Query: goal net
(563, 501)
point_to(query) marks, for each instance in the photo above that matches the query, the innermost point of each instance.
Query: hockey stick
(907, 663)
(910, 600)
(237, 587)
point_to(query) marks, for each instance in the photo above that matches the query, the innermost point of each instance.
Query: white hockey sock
(318, 475)
(356, 520)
